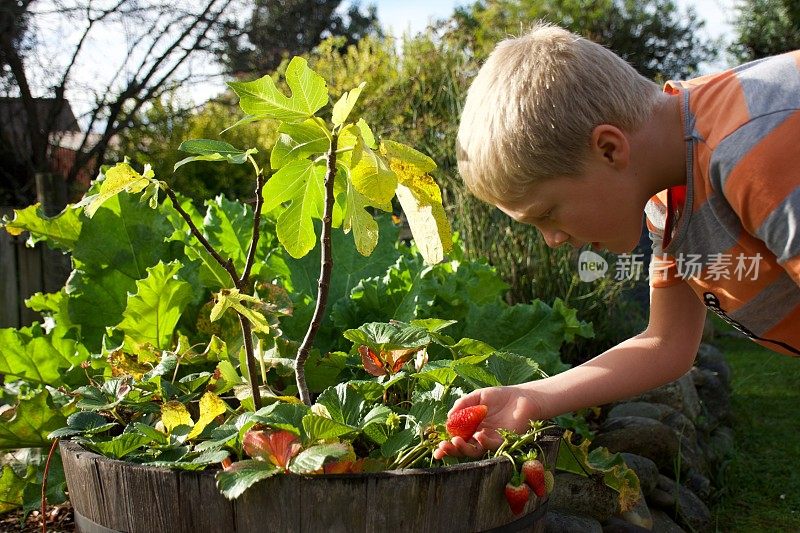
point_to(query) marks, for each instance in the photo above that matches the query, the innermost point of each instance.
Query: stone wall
(676, 438)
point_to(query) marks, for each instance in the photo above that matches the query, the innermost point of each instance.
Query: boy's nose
(554, 239)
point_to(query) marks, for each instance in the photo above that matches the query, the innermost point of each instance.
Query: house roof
(14, 122)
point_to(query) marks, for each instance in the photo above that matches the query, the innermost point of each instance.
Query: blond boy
(560, 133)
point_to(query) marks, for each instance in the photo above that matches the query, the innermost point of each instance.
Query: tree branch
(227, 265)
(251, 253)
(326, 268)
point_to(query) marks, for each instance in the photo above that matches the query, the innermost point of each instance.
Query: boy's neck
(660, 148)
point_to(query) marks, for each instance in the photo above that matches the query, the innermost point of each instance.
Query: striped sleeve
(663, 267)
(758, 171)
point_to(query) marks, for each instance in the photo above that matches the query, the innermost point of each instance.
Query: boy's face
(598, 208)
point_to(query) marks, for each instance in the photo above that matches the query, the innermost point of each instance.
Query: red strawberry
(464, 422)
(533, 471)
(517, 494)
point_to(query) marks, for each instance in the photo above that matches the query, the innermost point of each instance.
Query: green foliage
(416, 98)
(273, 31)
(765, 28)
(657, 38)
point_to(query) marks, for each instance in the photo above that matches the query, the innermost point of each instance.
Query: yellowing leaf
(342, 108)
(211, 406)
(371, 176)
(358, 219)
(396, 150)
(232, 299)
(174, 414)
(421, 200)
(616, 474)
(121, 177)
(125, 364)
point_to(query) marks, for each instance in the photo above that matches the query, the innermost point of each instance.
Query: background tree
(658, 39)
(279, 29)
(44, 46)
(766, 27)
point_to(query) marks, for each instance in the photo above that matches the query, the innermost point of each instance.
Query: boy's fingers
(466, 401)
(458, 447)
(445, 448)
(469, 448)
(488, 439)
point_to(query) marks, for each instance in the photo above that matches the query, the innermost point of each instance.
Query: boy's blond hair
(531, 109)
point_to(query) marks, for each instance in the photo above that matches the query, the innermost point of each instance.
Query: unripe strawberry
(549, 481)
(464, 422)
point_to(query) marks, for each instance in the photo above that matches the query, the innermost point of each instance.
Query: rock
(692, 513)
(657, 411)
(660, 499)
(714, 395)
(709, 357)
(641, 436)
(639, 514)
(699, 484)
(720, 445)
(646, 470)
(584, 496)
(642, 409)
(662, 523)
(680, 395)
(618, 525)
(563, 522)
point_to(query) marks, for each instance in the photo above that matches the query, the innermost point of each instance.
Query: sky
(413, 15)
(397, 16)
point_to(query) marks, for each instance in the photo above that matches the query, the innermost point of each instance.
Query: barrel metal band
(87, 525)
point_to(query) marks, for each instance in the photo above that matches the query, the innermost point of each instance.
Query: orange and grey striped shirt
(733, 231)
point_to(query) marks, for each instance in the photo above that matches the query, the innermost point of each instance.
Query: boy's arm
(661, 354)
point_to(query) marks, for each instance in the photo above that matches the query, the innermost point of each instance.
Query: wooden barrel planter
(109, 495)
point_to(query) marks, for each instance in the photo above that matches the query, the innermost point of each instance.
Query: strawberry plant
(289, 333)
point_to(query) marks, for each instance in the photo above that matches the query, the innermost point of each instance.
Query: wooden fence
(25, 271)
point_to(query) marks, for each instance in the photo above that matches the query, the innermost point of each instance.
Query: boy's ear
(610, 144)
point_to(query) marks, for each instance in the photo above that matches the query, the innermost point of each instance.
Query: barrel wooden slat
(139, 499)
(202, 507)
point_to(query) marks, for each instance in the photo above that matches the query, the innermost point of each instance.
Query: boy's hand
(509, 408)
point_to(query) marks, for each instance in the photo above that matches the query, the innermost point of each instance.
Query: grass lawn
(762, 481)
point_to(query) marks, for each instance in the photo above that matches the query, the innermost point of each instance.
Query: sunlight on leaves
(174, 414)
(262, 99)
(119, 178)
(211, 406)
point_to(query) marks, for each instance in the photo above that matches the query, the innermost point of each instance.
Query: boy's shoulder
(717, 105)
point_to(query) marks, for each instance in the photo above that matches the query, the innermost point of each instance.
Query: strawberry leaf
(312, 459)
(241, 475)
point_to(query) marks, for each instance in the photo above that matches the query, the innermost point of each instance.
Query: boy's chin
(618, 248)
